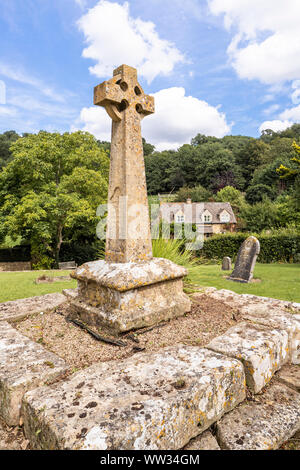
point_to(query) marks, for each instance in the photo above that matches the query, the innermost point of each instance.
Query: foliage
(51, 189)
(6, 140)
(282, 245)
(197, 194)
(172, 250)
(231, 195)
(259, 192)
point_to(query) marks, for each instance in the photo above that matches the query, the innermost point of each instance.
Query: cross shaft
(128, 236)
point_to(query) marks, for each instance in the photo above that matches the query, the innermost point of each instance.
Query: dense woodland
(51, 184)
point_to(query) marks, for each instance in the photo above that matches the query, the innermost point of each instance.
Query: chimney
(189, 201)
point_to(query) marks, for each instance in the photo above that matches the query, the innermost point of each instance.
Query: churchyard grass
(279, 281)
(21, 285)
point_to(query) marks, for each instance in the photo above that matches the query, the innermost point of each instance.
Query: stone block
(149, 401)
(263, 424)
(24, 365)
(18, 309)
(205, 441)
(278, 318)
(125, 296)
(262, 351)
(290, 376)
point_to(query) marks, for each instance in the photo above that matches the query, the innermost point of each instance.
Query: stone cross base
(125, 296)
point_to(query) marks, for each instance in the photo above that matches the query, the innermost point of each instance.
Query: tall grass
(174, 251)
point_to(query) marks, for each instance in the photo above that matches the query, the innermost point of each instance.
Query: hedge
(80, 252)
(17, 254)
(273, 248)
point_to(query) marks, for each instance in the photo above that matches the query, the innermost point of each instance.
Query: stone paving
(24, 365)
(18, 309)
(168, 399)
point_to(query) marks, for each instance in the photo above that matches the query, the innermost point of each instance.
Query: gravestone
(226, 264)
(129, 289)
(246, 259)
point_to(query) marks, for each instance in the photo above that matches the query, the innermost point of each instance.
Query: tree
(6, 140)
(197, 194)
(231, 195)
(51, 189)
(258, 192)
(148, 148)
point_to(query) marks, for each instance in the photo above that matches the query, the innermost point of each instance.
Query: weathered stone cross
(128, 235)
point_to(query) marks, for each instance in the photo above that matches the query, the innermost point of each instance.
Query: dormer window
(206, 217)
(179, 218)
(224, 217)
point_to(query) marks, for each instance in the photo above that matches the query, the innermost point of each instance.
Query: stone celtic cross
(128, 236)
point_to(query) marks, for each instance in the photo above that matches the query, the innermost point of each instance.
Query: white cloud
(81, 3)
(177, 119)
(296, 93)
(17, 74)
(265, 45)
(276, 125)
(113, 38)
(271, 109)
(293, 114)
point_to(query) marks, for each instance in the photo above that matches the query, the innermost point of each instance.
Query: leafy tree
(258, 192)
(148, 148)
(250, 157)
(51, 189)
(6, 140)
(294, 171)
(197, 194)
(231, 195)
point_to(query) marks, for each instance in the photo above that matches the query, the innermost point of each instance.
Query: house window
(225, 217)
(207, 218)
(179, 219)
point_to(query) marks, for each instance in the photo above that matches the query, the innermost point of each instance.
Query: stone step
(24, 365)
(18, 309)
(149, 401)
(263, 351)
(263, 424)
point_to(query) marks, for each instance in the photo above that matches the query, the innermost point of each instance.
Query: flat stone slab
(205, 441)
(262, 351)
(263, 424)
(127, 276)
(22, 308)
(150, 401)
(290, 376)
(238, 300)
(273, 317)
(24, 365)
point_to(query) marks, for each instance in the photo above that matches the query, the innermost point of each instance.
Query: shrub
(172, 250)
(276, 246)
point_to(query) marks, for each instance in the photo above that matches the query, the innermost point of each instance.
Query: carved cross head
(123, 92)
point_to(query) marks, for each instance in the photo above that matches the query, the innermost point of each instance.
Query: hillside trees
(51, 189)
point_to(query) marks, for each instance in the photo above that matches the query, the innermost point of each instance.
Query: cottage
(209, 217)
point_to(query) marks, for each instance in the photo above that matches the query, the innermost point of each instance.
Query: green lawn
(20, 285)
(280, 281)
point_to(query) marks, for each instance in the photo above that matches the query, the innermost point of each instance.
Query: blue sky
(214, 66)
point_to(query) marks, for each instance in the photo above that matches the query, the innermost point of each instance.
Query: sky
(215, 67)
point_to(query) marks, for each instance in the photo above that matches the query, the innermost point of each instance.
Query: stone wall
(16, 266)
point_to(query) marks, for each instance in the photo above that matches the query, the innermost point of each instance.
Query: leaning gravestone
(130, 289)
(246, 259)
(226, 264)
